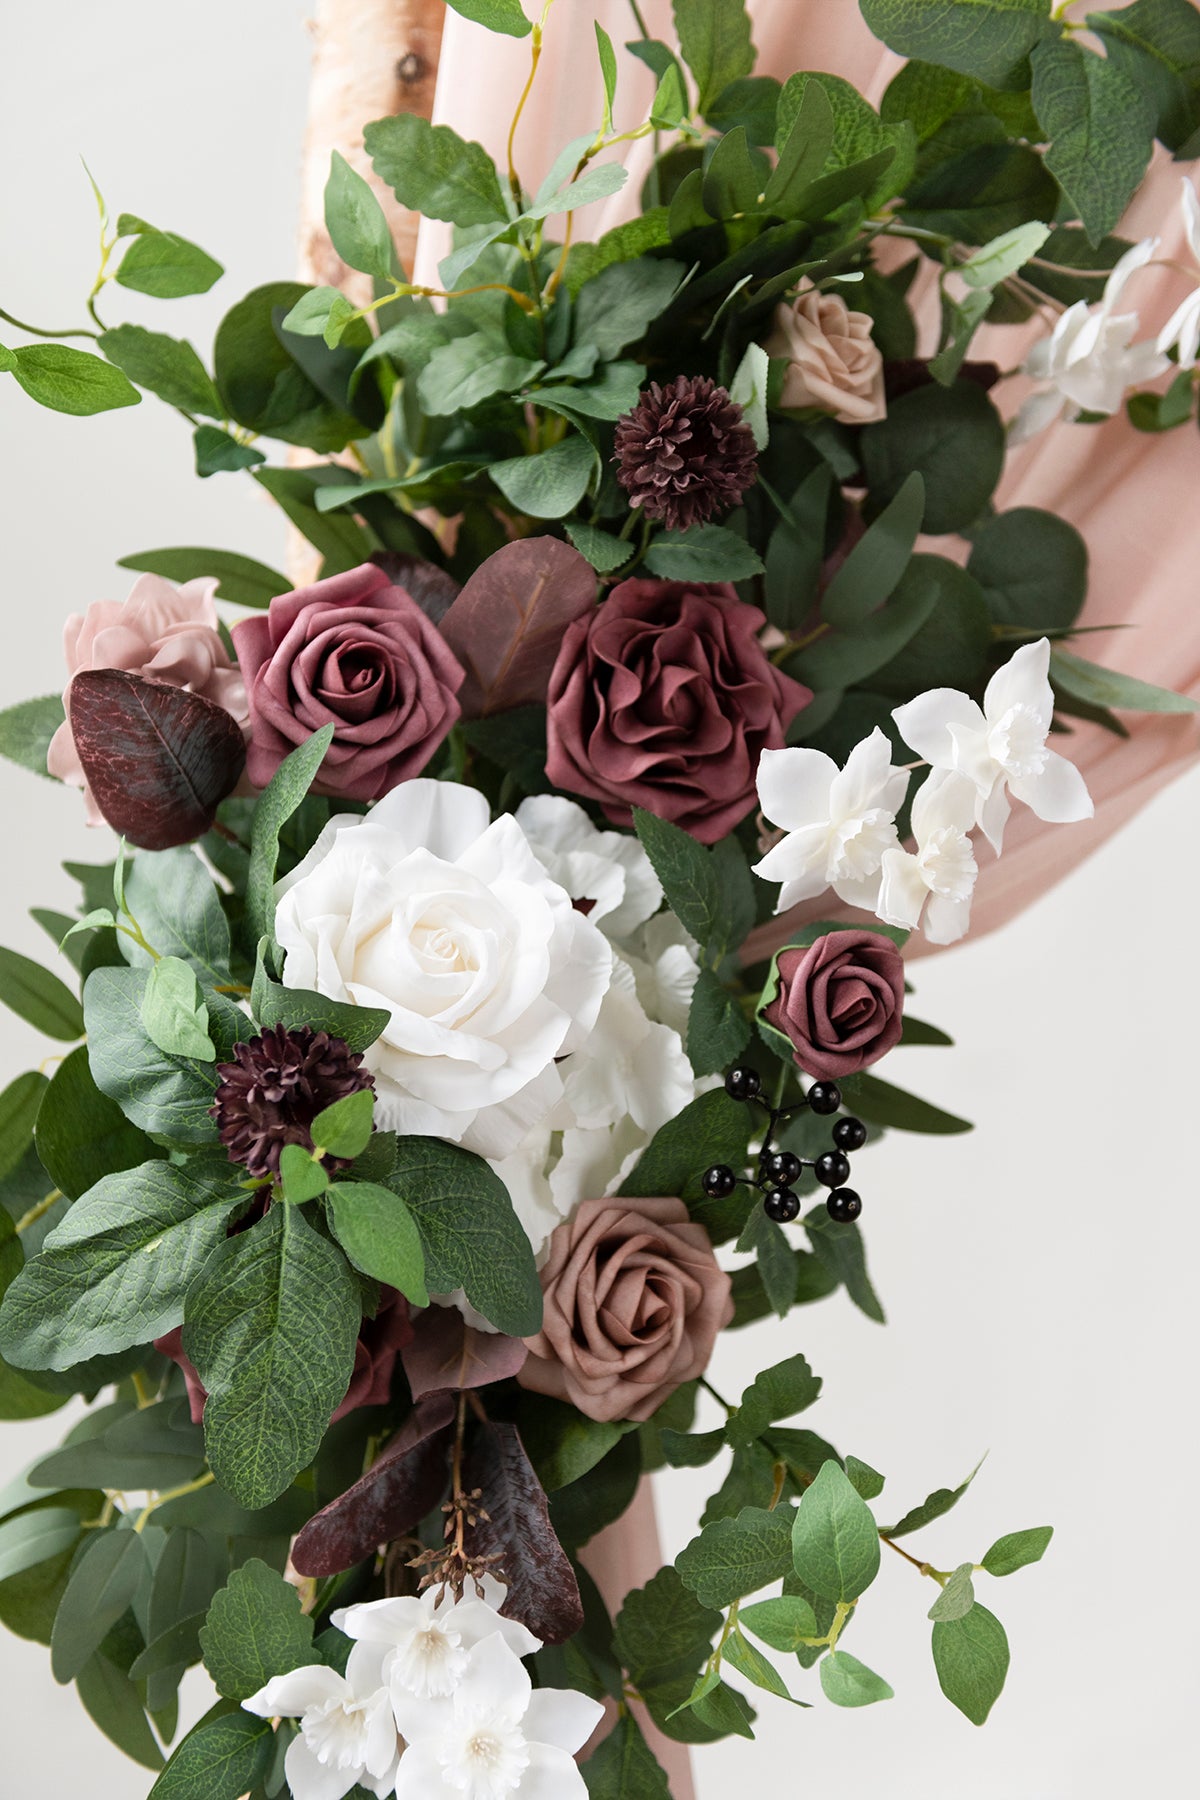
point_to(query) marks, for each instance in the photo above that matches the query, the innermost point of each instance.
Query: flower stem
(37, 1212)
(43, 331)
(176, 1493)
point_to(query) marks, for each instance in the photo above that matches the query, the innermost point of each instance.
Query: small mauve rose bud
(833, 362)
(839, 1002)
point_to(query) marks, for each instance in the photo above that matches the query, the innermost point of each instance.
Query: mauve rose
(380, 1341)
(163, 632)
(358, 653)
(840, 1002)
(663, 698)
(833, 361)
(634, 1300)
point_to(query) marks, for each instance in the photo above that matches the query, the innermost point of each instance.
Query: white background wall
(1039, 1274)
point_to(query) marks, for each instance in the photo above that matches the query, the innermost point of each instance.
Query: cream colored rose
(833, 361)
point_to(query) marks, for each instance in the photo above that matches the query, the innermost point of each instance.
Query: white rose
(453, 926)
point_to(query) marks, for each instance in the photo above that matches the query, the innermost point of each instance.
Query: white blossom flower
(427, 1641)
(1089, 361)
(608, 872)
(347, 1726)
(1182, 330)
(453, 926)
(1000, 747)
(839, 822)
(495, 1736)
(936, 880)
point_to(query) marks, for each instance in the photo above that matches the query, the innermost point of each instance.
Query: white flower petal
(1134, 259)
(287, 1696)
(551, 1775)
(1022, 681)
(1057, 793)
(310, 1779)
(793, 786)
(902, 892)
(800, 857)
(495, 1680)
(1190, 206)
(946, 919)
(561, 1717)
(1036, 412)
(924, 723)
(868, 781)
(419, 1776)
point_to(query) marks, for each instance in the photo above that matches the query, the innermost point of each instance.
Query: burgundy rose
(840, 1002)
(380, 1341)
(662, 698)
(634, 1299)
(358, 653)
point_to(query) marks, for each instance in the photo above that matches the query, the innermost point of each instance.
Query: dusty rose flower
(359, 653)
(840, 1002)
(833, 361)
(380, 1341)
(662, 698)
(163, 632)
(634, 1300)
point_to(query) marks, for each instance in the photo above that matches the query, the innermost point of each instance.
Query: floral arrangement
(438, 1024)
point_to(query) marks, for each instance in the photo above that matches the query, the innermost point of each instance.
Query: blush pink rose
(840, 1002)
(833, 361)
(163, 632)
(358, 653)
(663, 698)
(634, 1299)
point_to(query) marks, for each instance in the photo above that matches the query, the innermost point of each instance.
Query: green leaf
(703, 553)
(271, 1326)
(873, 568)
(377, 1231)
(624, 1767)
(468, 370)
(301, 1175)
(754, 1666)
(777, 1268)
(604, 551)
(1008, 1554)
(173, 1011)
(322, 312)
(778, 1393)
(217, 453)
(20, 1104)
(1101, 131)
(989, 40)
(883, 1104)
(115, 1271)
(33, 1537)
(783, 1624)
(709, 891)
(710, 1129)
(1106, 687)
(504, 16)
(960, 321)
(279, 800)
(550, 484)
(431, 170)
(859, 138)
(26, 730)
(39, 997)
(847, 1682)
(735, 1557)
(240, 579)
(663, 1631)
(804, 137)
(731, 180)
(113, 1702)
(255, 1630)
(282, 385)
(835, 1541)
(953, 437)
(1032, 567)
(470, 1233)
(683, 1450)
(176, 903)
(68, 381)
(168, 366)
(220, 1759)
(717, 1027)
(168, 1096)
(103, 1583)
(355, 221)
(274, 1004)
(608, 71)
(863, 1478)
(934, 1507)
(1004, 255)
(344, 1128)
(957, 1596)
(82, 1135)
(839, 1248)
(714, 39)
(725, 1711)
(617, 307)
(1156, 44)
(971, 1658)
(669, 107)
(796, 551)
(843, 659)
(163, 265)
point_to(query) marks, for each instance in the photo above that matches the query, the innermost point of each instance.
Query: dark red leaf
(158, 760)
(393, 1496)
(542, 1590)
(446, 1353)
(433, 589)
(506, 626)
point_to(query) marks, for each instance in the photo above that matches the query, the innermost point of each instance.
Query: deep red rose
(840, 1002)
(358, 653)
(662, 698)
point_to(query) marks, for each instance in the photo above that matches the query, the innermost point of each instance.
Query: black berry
(843, 1205)
(849, 1134)
(782, 1205)
(781, 1167)
(831, 1169)
(825, 1096)
(743, 1082)
(719, 1181)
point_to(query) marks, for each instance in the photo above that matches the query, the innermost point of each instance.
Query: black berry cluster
(779, 1170)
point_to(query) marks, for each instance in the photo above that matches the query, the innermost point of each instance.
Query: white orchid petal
(924, 724)
(495, 1679)
(866, 781)
(1022, 681)
(944, 799)
(562, 1718)
(1057, 793)
(800, 857)
(862, 892)
(310, 1779)
(793, 786)
(287, 1696)
(946, 919)
(1134, 259)
(903, 891)
(993, 815)
(1036, 413)
(1191, 216)
(419, 1776)
(551, 1775)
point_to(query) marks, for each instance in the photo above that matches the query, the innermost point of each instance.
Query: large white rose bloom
(452, 925)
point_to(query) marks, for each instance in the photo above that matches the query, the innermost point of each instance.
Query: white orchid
(426, 1641)
(1181, 332)
(839, 822)
(495, 1736)
(1000, 748)
(347, 1726)
(1090, 361)
(935, 882)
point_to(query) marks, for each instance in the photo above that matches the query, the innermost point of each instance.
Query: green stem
(176, 1493)
(708, 1387)
(38, 1211)
(41, 331)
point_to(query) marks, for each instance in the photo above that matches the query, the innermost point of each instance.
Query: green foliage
(1032, 567)
(703, 553)
(1101, 130)
(355, 221)
(167, 366)
(883, 1104)
(847, 1682)
(624, 1767)
(223, 1757)
(717, 1027)
(239, 578)
(839, 1249)
(953, 438)
(989, 40)
(934, 1507)
(431, 170)
(870, 573)
(173, 1011)
(66, 380)
(39, 997)
(957, 1596)
(790, 1387)
(971, 1658)
(377, 1231)
(858, 134)
(783, 1624)
(279, 800)
(255, 1630)
(709, 891)
(82, 1135)
(162, 264)
(1156, 45)
(26, 730)
(273, 1004)
(714, 39)
(710, 1129)
(835, 1541)
(32, 1537)
(217, 453)
(20, 1104)
(263, 384)
(166, 1096)
(104, 1580)
(1107, 687)
(735, 1557)
(617, 307)
(550, 484)
(1017, 1550)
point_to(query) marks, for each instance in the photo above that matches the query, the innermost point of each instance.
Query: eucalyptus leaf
(971, 1658)
(847, 1682)
(835, 1541)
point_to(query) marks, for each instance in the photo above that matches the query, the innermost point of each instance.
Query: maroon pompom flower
(279, 1082)
(685, 453)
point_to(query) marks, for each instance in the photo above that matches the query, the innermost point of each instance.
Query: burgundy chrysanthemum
(685, 453)
(279, 1082)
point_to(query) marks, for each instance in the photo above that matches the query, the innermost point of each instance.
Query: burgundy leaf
(433, 589)
(542, 1590)
(446, 1353)
(506, 626)
(158, 760)
(393, 1496)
